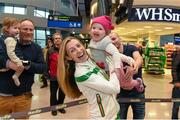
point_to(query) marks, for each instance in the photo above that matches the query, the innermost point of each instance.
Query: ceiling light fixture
(147, 27)
(139, 29)
(151, 32)
(158, 30)
(121, 28)
(168, 28)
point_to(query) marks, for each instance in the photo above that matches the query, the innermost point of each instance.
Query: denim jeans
(175, 108)
(137, 108)
(10, 104)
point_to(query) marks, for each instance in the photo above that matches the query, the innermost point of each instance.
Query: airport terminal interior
(152, 25)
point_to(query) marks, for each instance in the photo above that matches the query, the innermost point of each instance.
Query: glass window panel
(8, 9)
(40, 34)
(1, 8)
(34, 34)
(19, 10)
(47, 13)
(47, 32)
(35, 11)
(39, 13)
(41, 42)
(66, 7)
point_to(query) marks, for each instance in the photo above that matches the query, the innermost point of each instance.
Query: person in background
(78, 74)
(13, 98)
(138, 109)
(45, 76)
(101, 47)
(10, 33)
(176, 81)
(52, 62)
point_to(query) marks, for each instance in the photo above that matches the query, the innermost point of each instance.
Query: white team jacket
(99, 91)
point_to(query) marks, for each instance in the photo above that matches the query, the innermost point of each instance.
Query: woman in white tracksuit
(78, 75)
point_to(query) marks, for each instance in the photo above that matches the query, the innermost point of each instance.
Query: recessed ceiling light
(121, 28)
(139, 29)
(147, 27)
(151, 32)
(168, 28)
(158, 30)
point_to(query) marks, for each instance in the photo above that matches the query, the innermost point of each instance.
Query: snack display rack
(155, 59)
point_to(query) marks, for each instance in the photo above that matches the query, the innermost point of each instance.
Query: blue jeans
(137, 108)
(175, 108)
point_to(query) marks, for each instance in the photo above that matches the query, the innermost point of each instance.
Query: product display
(170, 48)
(155, 60)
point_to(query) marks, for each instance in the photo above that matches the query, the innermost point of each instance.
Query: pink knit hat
(105, 21)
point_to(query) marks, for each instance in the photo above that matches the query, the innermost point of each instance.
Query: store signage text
(155, 14)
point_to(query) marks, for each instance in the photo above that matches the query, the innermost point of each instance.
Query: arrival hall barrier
(79, 102)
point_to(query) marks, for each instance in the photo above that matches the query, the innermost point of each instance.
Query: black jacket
(31, 52)
(176, 66)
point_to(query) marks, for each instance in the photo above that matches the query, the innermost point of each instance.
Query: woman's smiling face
(76, 51)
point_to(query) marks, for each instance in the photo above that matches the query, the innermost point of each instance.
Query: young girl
(101, 46)
(11, 30)
(78, 74)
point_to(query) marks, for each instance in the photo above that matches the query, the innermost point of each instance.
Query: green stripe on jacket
(87, 75)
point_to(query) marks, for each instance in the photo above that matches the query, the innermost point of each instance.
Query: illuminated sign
(177, 38)
(155, 14)
(64, 21)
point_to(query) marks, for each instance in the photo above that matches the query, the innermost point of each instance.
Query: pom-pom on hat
(105, 21)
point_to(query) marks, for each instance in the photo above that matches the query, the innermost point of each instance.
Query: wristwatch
(26, 63)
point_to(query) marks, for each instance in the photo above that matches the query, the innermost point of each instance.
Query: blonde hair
(65, 72)
(7, 23)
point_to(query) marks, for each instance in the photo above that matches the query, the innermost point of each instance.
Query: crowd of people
(104, 73)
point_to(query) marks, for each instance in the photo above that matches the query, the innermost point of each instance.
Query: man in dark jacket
(52, 61)
(18, 98)
(176, 81)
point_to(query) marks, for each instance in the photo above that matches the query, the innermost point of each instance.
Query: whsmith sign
(155, 14)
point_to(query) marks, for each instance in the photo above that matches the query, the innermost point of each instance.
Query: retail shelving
(155, 60)
(169, 50)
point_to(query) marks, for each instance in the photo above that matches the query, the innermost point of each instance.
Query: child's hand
(129, 73)
(14, 66)
(177, 84)
(135, 67)
(131, 61)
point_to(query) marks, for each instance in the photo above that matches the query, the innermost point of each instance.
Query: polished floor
(157, 87)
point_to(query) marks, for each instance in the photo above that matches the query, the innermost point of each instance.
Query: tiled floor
(157, 87)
